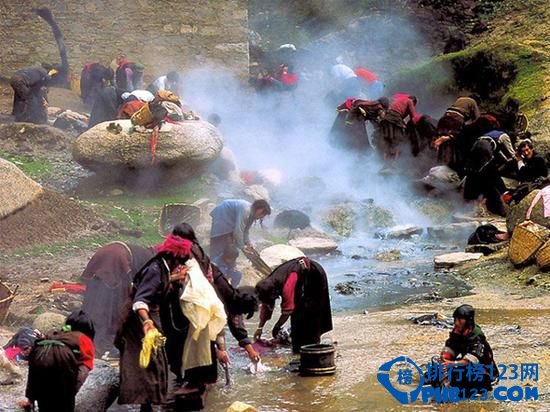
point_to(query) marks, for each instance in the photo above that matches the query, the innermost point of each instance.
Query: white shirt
(341, 72)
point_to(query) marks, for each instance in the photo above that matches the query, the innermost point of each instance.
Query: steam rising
(290, 130)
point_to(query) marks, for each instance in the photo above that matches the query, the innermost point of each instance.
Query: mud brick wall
(163, 35)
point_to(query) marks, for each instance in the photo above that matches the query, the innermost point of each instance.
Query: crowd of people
(481, 148)
(163, 311)
(164, 308)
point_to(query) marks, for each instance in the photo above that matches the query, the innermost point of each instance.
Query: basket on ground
(543, 256)
(527, 239)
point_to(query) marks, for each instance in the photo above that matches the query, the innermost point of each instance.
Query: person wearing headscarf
(466, 345)
(155, 286)
(302, 285)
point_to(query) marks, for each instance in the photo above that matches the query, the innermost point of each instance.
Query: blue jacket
(231, 217)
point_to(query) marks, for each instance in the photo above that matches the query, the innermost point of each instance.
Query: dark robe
(349, 130)
(108, 277)
(150, 385)
(105, 107)
(312, 314)
(534, 168)
(30, 94)
(176, 329)
(483, 178)
(475, 348)
(91, 79)
(53, 372)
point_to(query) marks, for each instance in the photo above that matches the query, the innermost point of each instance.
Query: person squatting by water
(59, 363)
(467, 345)
(302, 285)
(231, 223)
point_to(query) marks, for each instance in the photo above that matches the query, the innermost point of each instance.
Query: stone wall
(163, 35)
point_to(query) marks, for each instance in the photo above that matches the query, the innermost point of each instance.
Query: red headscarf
(176, 246)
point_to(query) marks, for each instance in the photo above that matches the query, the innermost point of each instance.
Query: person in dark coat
(530, 166)
(29, 99)
(59, 364)
(349, 130)
(108, 277)
(483, 177)
(91, 81)
(106, 104)
(236, 302)
(466, 345)
(155, 288)
(302, 285)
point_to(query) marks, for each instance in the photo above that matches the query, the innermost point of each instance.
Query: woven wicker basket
(527, 239)
(543, 256)
(175, 213)
(143, 116)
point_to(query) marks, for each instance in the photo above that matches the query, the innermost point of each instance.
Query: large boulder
(48, 321)
(17, 190)
(517, 213)
(278, 254)
(188, 145)
(100, 389)
(33, 138)
(449, 260)
(314, 245)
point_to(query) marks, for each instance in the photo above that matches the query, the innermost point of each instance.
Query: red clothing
(366, 74)
(404, 106)
(288, 79)
(129, 108)
(287, 298)
(87, 352)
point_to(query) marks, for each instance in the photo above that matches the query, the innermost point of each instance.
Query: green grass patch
(521, 72)
(30, 165)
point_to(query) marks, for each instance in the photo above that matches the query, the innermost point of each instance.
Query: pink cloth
(11, 353)
(287, 303)
(545, 194)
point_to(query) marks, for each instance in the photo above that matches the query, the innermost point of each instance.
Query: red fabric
(68, 287)
(349, 103)
(129, 108)
(287, 303)
(175, 245)
(446, 356)
(288, 79)
(154, 139)
(366, 74)
(404, 106)
(12, 352)
(87, 351)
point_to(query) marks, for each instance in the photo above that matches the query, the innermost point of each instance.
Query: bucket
(6, 297)
(317, 360)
